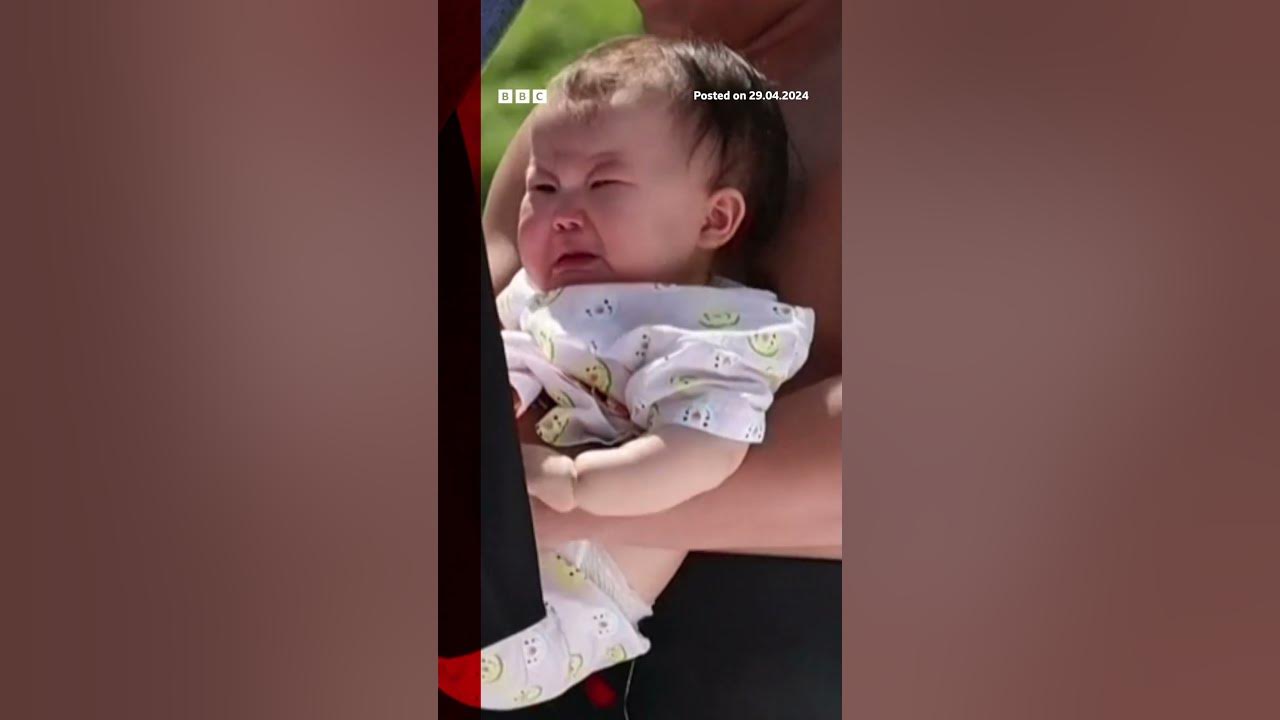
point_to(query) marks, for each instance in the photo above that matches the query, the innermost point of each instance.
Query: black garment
(510, 592)
(738, 637)
(493, 593)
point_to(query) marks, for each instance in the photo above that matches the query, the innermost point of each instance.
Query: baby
(636, 192)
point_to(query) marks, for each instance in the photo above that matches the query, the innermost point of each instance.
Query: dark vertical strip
(488, 575)
(459, 466)
(510, 595)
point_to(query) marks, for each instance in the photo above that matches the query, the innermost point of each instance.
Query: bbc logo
(522, 96)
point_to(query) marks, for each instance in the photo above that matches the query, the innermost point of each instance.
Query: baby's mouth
(575, 261)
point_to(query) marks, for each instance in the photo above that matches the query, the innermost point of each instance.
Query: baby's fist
(549, 475)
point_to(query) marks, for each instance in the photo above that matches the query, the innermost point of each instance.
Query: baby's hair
(749, 136)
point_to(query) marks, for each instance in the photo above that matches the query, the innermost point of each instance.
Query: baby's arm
(652, 473)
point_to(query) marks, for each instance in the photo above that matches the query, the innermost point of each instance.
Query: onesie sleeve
(514, 300)
(522, 352)
(721, 380)
(702, 386)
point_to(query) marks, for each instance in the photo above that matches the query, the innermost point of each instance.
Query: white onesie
(620, 359)
(623, 358)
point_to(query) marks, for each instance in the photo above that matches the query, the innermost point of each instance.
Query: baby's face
(617, 198)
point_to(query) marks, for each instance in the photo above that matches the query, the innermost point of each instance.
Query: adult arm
(502, 209)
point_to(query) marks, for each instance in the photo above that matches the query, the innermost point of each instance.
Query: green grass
(545, 36)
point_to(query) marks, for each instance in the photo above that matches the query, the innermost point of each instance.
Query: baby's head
(632, 179)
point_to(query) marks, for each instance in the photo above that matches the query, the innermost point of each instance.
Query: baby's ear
(725, 209)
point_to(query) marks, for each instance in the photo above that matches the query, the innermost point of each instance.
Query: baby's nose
(566, 222)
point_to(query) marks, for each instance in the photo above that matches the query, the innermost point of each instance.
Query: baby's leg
(590, 625)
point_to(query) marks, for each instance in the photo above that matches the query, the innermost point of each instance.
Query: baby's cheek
(680, 218)
(531, 243)
(526, 216)
(632, 252)
(641, 234)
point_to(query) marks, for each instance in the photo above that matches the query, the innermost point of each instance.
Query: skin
(602, 204)
(655, 472)
(796, 45)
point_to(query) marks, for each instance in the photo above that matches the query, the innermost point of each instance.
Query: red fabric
(599, 692)
(460, 678)
(459, 54)
(469, 120)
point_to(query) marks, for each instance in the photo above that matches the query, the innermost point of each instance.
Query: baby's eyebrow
(596, 162)
(606, 161)
(535, 169)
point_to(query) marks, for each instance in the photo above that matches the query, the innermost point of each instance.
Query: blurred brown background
(1064, 444)
(231, 317)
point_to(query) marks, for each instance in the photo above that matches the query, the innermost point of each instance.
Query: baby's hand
(549, 475)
